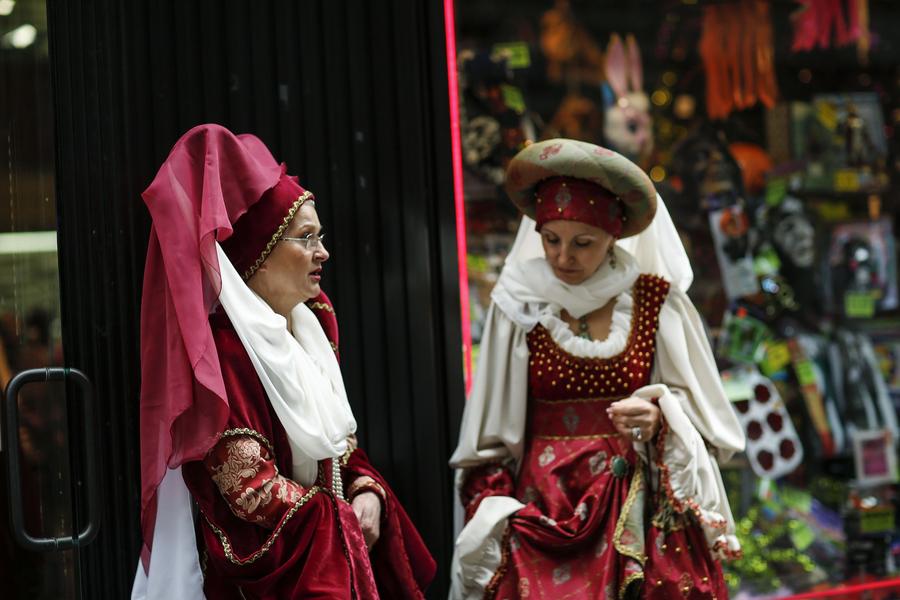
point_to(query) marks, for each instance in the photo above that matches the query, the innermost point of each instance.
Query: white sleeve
(493, 424)
(493, 429)
(685, 363)
(700, 424)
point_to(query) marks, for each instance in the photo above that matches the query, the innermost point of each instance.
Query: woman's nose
(321, 252)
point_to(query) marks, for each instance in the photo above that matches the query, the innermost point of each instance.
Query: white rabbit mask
(627, 126)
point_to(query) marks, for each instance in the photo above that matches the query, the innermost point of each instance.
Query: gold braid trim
(252, 433)
(594, 400)
(588, 436)
(352, 445)
(226, 544)
(624, 587)
(637, 484)
(491, 589)
(340, 528)
(278, 233)
(320, 306)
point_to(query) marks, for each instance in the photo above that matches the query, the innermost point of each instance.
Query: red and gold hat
(257, 231)
(602, 188)
(571, 199)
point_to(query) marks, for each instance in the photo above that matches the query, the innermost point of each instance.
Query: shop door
(46, 516)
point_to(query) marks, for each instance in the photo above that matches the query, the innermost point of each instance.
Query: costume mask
(707, 169)
(627, 124)
(794, 235)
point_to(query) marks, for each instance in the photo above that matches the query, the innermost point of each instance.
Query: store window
(770, 132)
(30, 331)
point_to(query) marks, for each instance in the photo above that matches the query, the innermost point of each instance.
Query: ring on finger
(636, 433)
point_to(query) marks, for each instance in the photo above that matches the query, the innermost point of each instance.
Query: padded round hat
(581, 160)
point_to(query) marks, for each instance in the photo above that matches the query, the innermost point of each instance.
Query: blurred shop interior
(30, 332)
(770, 131)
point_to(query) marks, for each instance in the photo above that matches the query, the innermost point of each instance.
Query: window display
(770, 129)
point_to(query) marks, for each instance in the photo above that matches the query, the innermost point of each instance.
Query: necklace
(583, 331)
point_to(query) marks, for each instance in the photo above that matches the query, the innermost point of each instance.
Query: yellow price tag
(846, 180)
(834, 211)
(776, 190)
(859, 305)
(877, 521)
(512, 97)
(827, 115)
(806, 375)
(516, 54)
(776, 358)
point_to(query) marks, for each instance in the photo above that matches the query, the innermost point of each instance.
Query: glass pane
(30, 307)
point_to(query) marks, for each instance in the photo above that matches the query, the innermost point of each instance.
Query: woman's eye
(551, 241)
(582, 243)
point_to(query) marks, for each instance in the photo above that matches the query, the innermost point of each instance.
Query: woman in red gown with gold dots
(588, 456)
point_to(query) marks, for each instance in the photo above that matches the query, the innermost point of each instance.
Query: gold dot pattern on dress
(554, 374)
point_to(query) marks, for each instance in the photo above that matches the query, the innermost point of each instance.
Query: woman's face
(291, 273)
(574, 250)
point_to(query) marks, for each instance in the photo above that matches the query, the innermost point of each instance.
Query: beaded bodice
(555, 374)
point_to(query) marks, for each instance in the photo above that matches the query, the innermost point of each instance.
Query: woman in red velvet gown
(587, 460)
(243, 409)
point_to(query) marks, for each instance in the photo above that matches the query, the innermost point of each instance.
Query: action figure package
(841, 139)
(862, 269)
(730, 227)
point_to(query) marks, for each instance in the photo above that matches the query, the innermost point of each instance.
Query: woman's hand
(633, 414)
(367, 507)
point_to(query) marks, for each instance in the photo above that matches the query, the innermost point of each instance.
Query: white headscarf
(298, 370)
(527, 279)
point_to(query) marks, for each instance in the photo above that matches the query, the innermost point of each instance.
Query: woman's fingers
(367, 508)
(631, 414)
(630, 406)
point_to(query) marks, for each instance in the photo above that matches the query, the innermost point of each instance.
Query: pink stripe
(458, 197)
(850, 589)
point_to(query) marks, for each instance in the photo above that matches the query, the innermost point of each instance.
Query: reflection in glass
(30, 333)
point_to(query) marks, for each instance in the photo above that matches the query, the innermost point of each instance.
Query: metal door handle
(14, 469)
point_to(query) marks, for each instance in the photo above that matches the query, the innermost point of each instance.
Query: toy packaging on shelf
(841, 139)
(773, 447)
(862, 268)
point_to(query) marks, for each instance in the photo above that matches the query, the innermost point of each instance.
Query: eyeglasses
(310, 241)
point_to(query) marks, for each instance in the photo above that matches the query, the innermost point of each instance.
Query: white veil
(658, 249)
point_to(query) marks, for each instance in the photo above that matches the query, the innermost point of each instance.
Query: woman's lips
(316, 275)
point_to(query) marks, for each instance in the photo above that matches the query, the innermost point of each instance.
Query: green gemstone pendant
(583, 329)
(619, 466)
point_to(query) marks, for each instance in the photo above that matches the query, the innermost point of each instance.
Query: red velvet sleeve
(245, 472)
(490, 479)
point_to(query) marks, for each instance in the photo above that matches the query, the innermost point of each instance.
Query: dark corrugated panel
(352, 95)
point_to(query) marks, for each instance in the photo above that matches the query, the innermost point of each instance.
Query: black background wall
(352, 95)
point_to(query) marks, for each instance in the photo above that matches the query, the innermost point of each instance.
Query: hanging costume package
(862, 268)
(730, 228)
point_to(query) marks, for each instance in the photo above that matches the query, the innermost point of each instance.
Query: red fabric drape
(209, 179)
